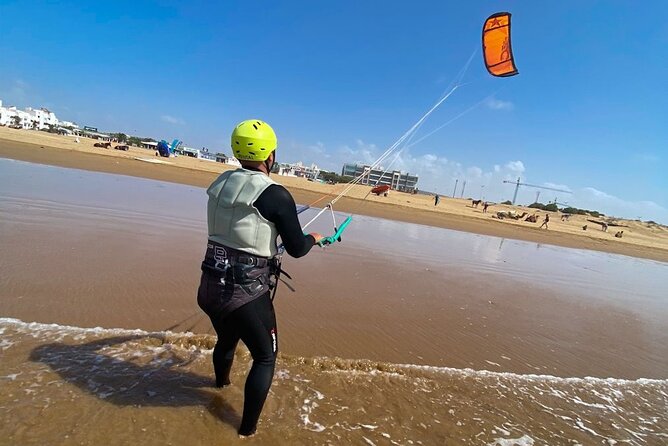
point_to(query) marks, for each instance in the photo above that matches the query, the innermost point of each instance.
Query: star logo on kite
(494, 23)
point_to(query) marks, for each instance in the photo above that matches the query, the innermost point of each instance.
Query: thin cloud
(19, 91)
(440, 174)
(498, 104)
(558, 186)
(308, 154)
(435, 172)
(20, 87)
(172, 120)
(648, 157)
(592, 198)
(515, 166)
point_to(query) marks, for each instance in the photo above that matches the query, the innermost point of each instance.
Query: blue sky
(341, 81)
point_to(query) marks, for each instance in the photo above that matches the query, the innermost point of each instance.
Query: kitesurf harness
(246, 275)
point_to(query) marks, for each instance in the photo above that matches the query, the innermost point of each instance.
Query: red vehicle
(382, 189)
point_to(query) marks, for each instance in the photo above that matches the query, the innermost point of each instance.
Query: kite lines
(499, 61)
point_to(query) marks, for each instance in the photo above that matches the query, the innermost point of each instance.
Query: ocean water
(71, 385)
(425, 336)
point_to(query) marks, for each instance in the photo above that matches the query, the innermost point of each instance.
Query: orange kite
(496, 45)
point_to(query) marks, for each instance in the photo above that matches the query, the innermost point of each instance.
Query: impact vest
(233, 220)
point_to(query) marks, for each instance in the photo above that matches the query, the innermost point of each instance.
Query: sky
(342, 81)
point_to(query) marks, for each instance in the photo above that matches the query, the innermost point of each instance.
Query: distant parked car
(126, 148)
(105, 145)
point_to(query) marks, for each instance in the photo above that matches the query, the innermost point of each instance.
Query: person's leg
(223, 352)
(258, 332)
(209, 298)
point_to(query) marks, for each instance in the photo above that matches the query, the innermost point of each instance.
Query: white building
(232, 161)
(396, 179)
(11, 116)
(298, 170)
(31, 118)
(43, 118)
(68, 124)
(149, 145)
(96, 135)
(191, 152)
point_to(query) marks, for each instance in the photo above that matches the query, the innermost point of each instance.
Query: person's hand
(318, 237)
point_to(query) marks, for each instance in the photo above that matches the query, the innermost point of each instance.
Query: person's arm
(277, 205)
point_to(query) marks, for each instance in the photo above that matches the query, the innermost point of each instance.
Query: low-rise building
(12, 117)
(222, 158)
(31, 118)
(299, 170)
(68, 124)
(42, 117)
(150, 145)
(396, 179)
(202, 154)
(187, 151)
(91, 132)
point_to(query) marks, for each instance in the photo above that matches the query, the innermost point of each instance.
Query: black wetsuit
(254, 322)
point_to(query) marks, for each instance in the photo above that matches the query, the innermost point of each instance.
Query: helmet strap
(269, 165)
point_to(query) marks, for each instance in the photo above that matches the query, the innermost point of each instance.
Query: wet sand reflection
(90, 249)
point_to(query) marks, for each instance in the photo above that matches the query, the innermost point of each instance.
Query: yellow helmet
(253, 140)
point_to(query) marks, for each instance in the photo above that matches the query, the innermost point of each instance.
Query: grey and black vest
(240, 262)
(232, 218)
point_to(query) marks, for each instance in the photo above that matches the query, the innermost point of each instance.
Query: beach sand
(546, 314)
(85, 249)
(373, 349)
(640, 239)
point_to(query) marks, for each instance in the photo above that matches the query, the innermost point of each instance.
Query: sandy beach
(434, 317)
(640, 239)
(404, 334)
(392, 291)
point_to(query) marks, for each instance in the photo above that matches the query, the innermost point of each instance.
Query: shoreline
(454, 214)
(89, 250)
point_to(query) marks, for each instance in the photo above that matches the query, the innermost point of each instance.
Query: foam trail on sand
(59, 371)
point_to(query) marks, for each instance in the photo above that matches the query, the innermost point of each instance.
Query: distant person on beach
(545, 222)
(437, 199)
(246, 212)
(485, 205)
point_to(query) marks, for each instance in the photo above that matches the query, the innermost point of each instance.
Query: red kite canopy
(496, 47)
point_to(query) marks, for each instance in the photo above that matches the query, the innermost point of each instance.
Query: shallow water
(148, 205)
(86, 249)
(68, 385)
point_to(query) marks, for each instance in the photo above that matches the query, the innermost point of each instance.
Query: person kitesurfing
(246, 213)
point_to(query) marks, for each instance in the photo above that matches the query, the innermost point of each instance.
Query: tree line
(552, 207)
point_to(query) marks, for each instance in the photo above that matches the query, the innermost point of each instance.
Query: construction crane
(518, 184)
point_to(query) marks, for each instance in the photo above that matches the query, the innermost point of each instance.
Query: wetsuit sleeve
(277, 205)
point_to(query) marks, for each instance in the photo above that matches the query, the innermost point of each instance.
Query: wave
(204, 342)
(315, 400)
